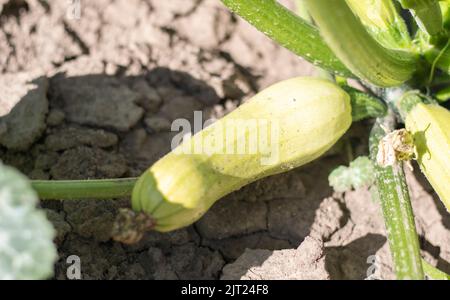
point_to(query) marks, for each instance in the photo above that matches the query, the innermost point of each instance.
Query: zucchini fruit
(430, 125)
(309, 116)
(357, 49)
(383, 22)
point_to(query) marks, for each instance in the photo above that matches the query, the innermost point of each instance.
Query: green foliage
(363, 171)
(428, 16)
(360, 173)
(443, 95)
(26, 236)
(364, 105)
(341, 179)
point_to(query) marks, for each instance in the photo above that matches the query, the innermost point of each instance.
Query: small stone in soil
(26, 121)
(158, 124)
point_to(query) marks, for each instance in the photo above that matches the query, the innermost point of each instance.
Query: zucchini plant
(403, 63)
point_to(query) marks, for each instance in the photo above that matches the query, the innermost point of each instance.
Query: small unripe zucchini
(357, 49)
(383, 22)
(430, 125)
(306, 116)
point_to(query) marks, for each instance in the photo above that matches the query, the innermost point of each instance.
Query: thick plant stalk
(357, 49)
(397, 210)
(402, 99)
(427, 14)
(302, 11)
(83, 189)
(383, 22)
(290, 31)
(434, 273)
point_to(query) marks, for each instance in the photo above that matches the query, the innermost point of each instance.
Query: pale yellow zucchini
(300, 118)
(430, 125)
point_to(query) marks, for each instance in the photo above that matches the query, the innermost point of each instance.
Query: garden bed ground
(95, 98)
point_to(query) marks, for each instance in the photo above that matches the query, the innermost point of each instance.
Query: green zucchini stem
(403, 99)
(434, 273)
(396, 207)
(290, 31)
(357, 49)
(83, 189)
(438, 58)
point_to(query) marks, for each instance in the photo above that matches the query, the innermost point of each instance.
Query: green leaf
(364, 105)
(360, 173)
(428, 16)
(340, 179)
(443, 95)
(26, 236)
